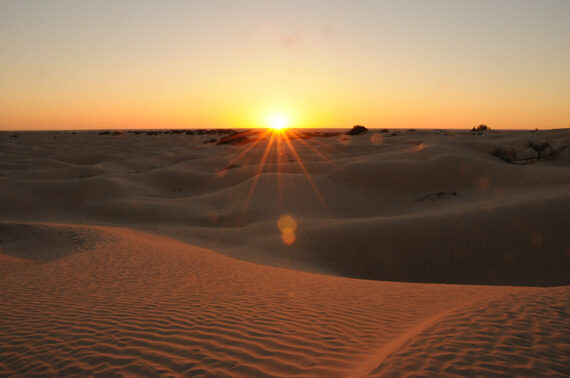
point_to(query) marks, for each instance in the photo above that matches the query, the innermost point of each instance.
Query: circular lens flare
(288, 237)
(287, 225)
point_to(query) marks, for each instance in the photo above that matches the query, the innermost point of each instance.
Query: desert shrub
(481, 127)
(357, 129)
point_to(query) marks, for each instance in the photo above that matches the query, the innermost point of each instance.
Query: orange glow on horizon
(324, 66)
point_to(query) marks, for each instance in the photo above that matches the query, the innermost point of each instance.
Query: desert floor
(305, 253)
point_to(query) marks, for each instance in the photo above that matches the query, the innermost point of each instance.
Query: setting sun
(278, 122)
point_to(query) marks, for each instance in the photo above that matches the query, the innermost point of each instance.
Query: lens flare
(288, 237)
(287, 225)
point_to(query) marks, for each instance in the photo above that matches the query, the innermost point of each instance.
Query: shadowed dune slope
(138, 304)
(522, 243)
(22, 245)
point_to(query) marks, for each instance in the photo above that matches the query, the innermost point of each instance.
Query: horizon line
(264, 128)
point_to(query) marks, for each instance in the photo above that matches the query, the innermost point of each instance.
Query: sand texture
(146, 255)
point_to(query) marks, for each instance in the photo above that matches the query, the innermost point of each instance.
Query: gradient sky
(163, 64)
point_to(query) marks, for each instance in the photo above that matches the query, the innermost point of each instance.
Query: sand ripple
(139, 304)
(517, 334)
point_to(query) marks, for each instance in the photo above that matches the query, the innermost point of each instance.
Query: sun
(278, 122)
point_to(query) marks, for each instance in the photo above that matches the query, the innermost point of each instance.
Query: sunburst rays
(280, 143)
(280, 149)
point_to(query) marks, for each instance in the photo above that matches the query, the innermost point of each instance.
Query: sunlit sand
(285, 252)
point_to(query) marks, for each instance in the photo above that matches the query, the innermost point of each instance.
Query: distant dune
(161, 254)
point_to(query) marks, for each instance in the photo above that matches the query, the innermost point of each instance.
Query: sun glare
(278, 122)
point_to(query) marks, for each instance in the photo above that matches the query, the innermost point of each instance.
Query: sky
(208, 64)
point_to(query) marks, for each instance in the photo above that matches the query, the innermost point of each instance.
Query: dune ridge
(531, 339)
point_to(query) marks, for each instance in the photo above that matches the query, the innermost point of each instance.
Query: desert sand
(406, 252)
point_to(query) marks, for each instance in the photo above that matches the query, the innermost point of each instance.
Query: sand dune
(371, 200)
(132, 303)
(118, 255)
